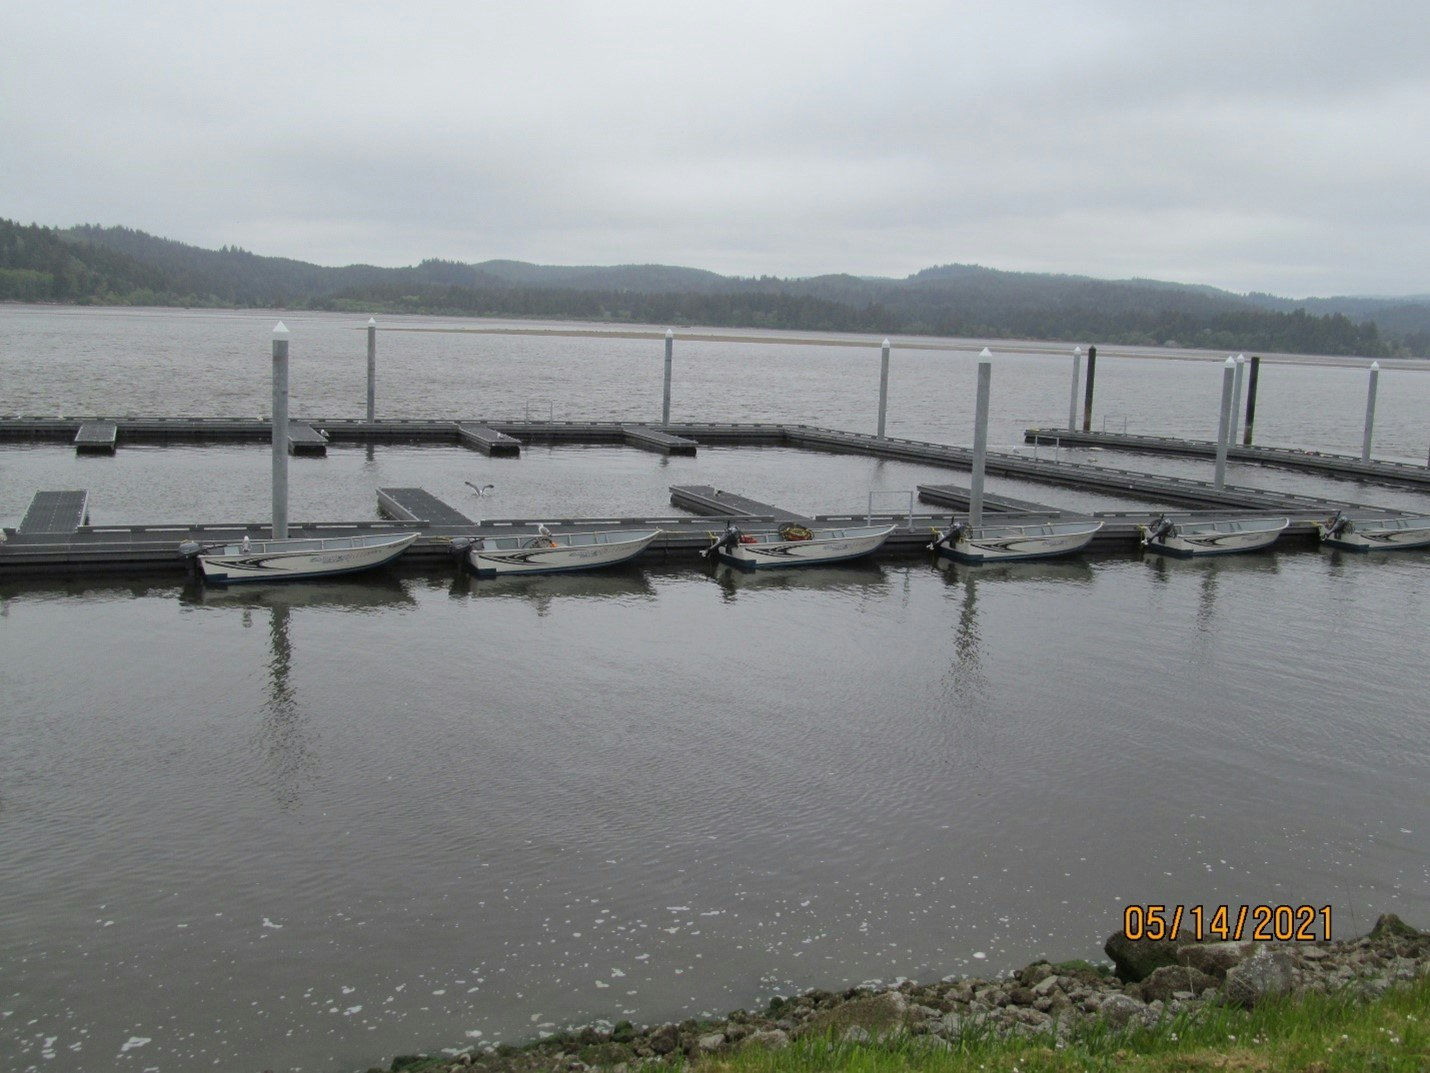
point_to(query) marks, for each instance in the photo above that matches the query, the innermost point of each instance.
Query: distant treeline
(116, 265)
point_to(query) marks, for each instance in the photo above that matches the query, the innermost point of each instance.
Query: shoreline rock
(1041, 998)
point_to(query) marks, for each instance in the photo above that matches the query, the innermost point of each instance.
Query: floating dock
(1345, 467)
(96, 437)
(55, 536)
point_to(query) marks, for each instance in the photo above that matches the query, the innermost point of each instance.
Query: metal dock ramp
(96, 437)
(419, 506)
(655, 440)
(306, 440)
(717, 503)
(488, 440)
(55, 512)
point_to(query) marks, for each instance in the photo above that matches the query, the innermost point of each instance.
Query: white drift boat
(545, 552)
(1226, 537)
(796, 545)
(294, 559)
(1009, 543)
(1379, 534)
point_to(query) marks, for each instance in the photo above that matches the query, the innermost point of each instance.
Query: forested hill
(119, 265)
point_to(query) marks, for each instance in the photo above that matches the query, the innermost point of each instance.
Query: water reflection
(284, 740)
(545, 591)
(866, 575)
(1037, 570)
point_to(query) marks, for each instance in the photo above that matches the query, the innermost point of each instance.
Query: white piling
(1072, 402)
(280, 432)
(1370, 411)
(883, 388)
(980, 437)
(371, 368)
(1236, 398)
(1224, 428)
(669, 357)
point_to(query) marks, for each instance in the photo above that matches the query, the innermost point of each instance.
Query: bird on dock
(481, 490)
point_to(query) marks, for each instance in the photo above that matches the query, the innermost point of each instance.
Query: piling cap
(372, 322)
(670, 333)
(1077, 351)
(1241, 359)
(886, 344)
(1230, 362)
(281, 329)
(1375, 366)
(985, 355)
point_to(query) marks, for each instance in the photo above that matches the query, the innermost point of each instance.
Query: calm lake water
(308, 827)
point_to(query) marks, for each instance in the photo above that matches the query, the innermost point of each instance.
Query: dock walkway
(55, 512)
(96, 437)
(1347, 467)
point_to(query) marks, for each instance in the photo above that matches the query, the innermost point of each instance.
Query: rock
(1035, 973)
(1046, 986)
(1214, 959)
(1389, 928)
(771, 1039)
(711, 1042)
(950, 1025)
(665, 1039)
(1021, 996)
(623, 1032)
(1266, 973)
(1136, 960)
(1119, 1010)
(856, 1034)
(1165, 982)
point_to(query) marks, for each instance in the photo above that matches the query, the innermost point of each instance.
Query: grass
(1310, 1034)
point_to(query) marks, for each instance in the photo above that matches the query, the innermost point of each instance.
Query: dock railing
(908, 497)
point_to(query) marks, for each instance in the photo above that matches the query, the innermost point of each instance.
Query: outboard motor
(728, 539)
(950, 534)
(458, 549)
(189, 550)
(1159, 527)
(1337, 524)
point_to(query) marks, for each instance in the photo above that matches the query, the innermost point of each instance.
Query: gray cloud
(1275, 146)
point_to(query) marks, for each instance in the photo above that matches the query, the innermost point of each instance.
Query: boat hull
(294, 560)
(1015, 543)
(1395, 534)
(1216, 538)
(506, 556)
(827, 546)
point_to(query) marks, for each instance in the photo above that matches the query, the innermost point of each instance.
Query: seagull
(481, 490)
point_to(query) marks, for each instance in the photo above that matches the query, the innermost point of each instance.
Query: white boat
(796, 545)
(289, 560)
(1379, 534)
(544, 552)
(1226, 537)
(1007, 543)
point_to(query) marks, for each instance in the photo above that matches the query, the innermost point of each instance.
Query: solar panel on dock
(55, 512)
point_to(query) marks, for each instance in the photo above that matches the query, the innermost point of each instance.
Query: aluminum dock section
(55, 512)
(419, 506)
(488, 440)
(96, 437)
(655, 440)
(959, 498)
(1348, 467)
(304, 439)
(717, 503)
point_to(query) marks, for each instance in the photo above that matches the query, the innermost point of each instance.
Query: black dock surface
(488, 440)
(959, 498)
(655, 440)
(717, 503)
(304, 439)
(55, 512)
(418, 505)
(96, 437)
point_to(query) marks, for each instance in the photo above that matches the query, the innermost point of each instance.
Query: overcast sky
(1268, 146)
